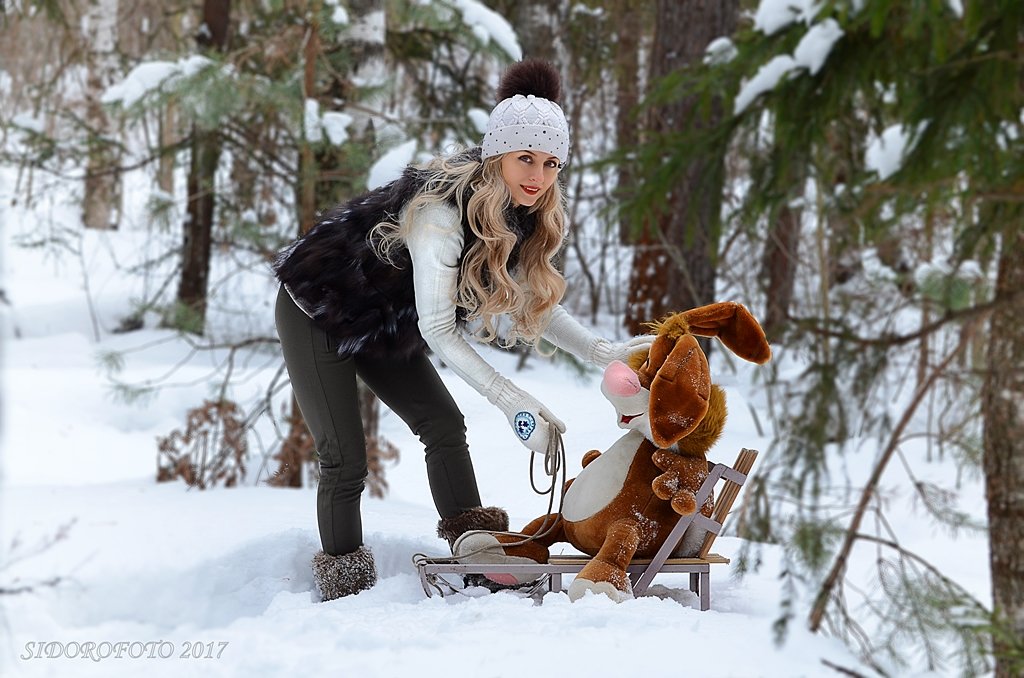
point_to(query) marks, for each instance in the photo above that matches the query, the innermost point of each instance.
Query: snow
(338, 13)
(335, 125)
(721, 50)
(488, 25)
(810, 53)
(929, 272)
(228, 569)
(390, 165)
(311, 121)
(774, 15)
(885, 153)
(814, 47)
(764, 80)
(479, 118)
(28, 122)
(150, 76)
(332, 123)
(369, 28)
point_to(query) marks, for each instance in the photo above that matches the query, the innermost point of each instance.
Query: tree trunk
(102, 198)
(627, 86)
(364, 38)
(297, 449)
(1003, 414)
(168, 138)
(778, 269)
(198, 231)
(307, 158)
(537, 25)
(674, 267)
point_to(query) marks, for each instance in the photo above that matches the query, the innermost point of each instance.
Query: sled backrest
(724, 501)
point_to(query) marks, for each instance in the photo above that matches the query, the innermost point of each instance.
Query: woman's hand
(605, 351)
(531, 421)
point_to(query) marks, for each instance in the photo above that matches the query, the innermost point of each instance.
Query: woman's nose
(620, 381)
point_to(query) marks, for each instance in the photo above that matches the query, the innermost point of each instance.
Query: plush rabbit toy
(625, 501)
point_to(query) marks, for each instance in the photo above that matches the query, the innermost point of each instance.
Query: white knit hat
(527, 123)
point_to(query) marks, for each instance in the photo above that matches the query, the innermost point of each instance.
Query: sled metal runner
(641, 571)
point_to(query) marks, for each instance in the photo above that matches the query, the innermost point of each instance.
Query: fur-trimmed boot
(344, 575)
(489, 518)
(479, 518)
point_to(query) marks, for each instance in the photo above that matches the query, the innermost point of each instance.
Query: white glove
(606, 351)
(531, 421)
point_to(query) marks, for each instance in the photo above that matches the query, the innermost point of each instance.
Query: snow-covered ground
(113, 557)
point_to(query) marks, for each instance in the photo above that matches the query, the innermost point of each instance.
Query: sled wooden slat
(712, 558)
(723, 504)
(641, 570)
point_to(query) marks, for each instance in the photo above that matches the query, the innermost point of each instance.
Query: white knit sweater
(435, 244)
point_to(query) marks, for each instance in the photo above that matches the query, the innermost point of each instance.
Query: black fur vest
(367, 305)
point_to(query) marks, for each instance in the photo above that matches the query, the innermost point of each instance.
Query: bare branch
(839, 566)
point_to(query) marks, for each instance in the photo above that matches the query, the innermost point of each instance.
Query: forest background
(849, 169)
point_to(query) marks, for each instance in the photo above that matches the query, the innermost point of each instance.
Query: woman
(379, 279)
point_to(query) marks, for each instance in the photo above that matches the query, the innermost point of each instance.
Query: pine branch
(970, 313)
(852, 534)
(842, 669)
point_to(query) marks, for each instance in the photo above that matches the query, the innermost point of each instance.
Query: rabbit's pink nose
(619, 380)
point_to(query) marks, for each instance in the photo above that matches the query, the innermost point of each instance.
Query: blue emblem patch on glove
(525, 425)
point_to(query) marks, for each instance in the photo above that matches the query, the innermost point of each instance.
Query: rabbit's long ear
(680, 393)
(733, 324)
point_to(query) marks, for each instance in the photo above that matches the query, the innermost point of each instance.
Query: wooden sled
(641, 571)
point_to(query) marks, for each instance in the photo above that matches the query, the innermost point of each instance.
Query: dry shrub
(378, 451)
(296, 452)
(210, 452)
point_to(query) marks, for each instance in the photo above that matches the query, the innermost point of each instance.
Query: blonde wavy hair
(486, 288)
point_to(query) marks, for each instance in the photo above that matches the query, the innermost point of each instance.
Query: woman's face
(528, 174)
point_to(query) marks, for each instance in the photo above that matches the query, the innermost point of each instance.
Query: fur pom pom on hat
(528, 116)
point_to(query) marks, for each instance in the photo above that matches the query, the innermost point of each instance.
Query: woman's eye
(526, 158)
(552, 164)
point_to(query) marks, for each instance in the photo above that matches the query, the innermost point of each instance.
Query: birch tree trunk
(101, 204)
(1003, 413)
(365, 39)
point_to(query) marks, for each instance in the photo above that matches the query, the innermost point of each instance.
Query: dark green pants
(325, 388)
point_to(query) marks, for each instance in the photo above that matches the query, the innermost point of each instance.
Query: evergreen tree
(895, 129)
(298, 101)
(674, 265)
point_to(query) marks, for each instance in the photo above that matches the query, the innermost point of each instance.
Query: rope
(554, 461)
